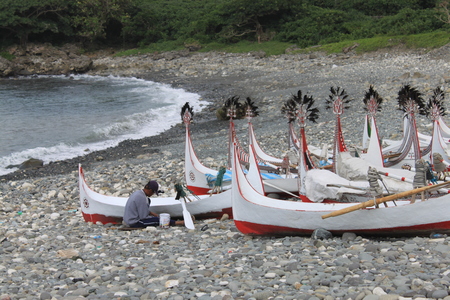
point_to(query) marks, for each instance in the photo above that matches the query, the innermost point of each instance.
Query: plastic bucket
(164, 220)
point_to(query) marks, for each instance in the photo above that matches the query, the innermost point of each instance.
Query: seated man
(137, 210)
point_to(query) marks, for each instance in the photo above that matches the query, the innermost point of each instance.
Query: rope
(220, 174)
(375, 188)
(420, 178)
(180, 189)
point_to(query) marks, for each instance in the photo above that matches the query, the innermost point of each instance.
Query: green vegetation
(225, 25)
(426, 41)
(270, 48)
(7, 55)
(155, 47)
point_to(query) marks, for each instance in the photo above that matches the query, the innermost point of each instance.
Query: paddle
(384, 199)
(186, 215)
(181, 195)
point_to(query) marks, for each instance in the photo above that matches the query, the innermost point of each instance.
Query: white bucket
(164, 220)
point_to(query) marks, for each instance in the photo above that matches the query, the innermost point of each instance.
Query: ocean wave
(156, 108)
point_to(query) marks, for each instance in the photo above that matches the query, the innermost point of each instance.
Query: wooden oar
(186, 215)
(384, 199)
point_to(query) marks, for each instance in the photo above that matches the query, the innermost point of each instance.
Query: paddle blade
(188, 222)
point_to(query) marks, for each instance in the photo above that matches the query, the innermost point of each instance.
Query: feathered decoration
(251, 110)
(372, 101)
(232, 104)
(435, 106)
(187, 113)
(410, 100)
(289, 109)
(305, 109)
(337, 99)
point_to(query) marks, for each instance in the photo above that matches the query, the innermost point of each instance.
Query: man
(137, 210)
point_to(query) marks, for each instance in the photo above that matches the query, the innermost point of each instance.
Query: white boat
(256, 214)
(202, 180)
(99, 208)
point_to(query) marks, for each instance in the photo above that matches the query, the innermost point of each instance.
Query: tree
(91, 17)
(443, 11)
(245, 16)
(313, 25)
(22, 18)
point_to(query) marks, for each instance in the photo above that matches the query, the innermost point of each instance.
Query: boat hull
(256, 214)
(98, 208)
(390, 224)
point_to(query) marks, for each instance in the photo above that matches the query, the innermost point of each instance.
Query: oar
(383, 199)
(186, 215)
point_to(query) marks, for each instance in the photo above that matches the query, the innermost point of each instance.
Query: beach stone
(31, 164)
(43, 296)
(54, 216)
(378, 291)
(264, 295)
(348, 236)
(321, 234)
(439, 294)
(372, 248)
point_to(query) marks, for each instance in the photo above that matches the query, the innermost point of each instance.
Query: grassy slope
(425, 41)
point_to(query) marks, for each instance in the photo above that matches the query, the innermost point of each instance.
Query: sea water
(60, 117)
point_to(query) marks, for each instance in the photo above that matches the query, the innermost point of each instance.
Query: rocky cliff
(44, 59)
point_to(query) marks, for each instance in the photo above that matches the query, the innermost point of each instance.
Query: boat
(435, 110)
(404, 156)
(103, 209)
(202, 180)
(349, 182)
(411, 102)
(250, 113)
(259, 215)
(97, 207)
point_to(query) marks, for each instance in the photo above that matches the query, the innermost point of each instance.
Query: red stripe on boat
(272, 230)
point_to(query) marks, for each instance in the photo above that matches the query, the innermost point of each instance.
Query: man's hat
(153, 185)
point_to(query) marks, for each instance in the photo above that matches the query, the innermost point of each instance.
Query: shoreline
(50, 252)
(268, 81)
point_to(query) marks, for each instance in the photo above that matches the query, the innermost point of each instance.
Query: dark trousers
(153, 221)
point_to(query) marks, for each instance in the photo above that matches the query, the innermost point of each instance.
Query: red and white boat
(201, 179)
(256, 214)
(109, 209)
(99, 208)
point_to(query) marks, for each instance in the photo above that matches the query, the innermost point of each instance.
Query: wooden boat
(250, 112)
(201, 180)
(256, 214)
(98, 208)
(404, 153)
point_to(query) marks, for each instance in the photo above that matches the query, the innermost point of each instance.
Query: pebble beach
(48, 251)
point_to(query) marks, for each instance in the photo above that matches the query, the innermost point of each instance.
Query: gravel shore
(49, 252)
